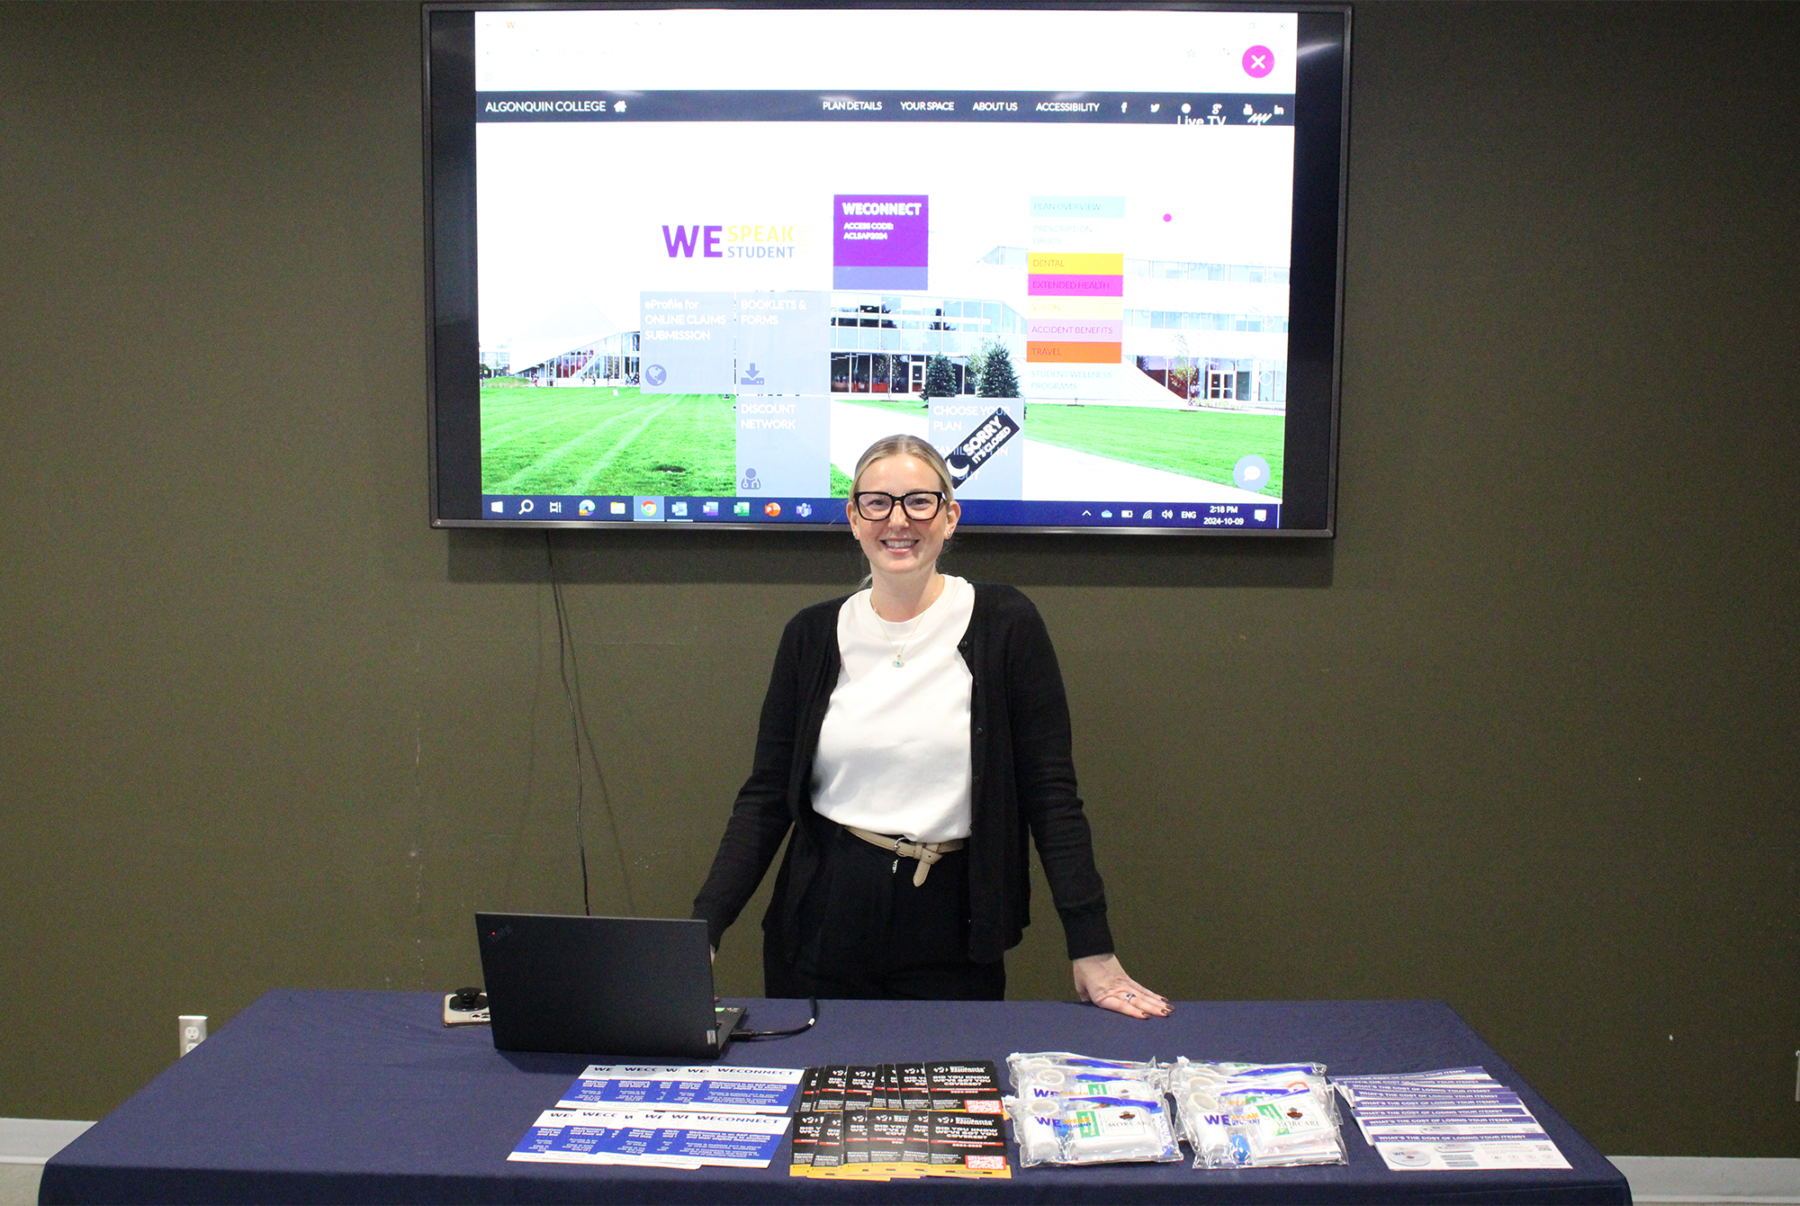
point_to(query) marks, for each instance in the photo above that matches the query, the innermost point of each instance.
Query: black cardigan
(1022, 778)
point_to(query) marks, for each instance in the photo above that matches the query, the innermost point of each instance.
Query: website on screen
(1055, 245)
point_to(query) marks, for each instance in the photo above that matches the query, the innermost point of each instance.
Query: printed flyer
(701, 1086)
(1449, 1120)
(656, 1138)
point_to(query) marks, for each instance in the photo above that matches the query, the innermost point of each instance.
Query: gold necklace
(899, 662)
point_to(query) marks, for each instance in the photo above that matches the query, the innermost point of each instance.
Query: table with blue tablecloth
(367, 1097)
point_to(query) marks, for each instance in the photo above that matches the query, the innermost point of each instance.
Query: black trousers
(866, 933)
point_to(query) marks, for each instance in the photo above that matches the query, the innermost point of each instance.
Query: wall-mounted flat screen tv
(687, 263)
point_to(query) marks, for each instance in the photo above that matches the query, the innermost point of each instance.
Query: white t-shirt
(893, 753)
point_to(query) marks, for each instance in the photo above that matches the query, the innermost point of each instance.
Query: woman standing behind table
(912, 735)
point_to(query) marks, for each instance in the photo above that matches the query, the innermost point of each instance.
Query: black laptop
(639, 986)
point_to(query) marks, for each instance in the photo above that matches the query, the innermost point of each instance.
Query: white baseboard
(1701, 1180)
(35, 1140)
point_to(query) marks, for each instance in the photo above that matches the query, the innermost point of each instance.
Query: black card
(809, 1090)
(915, 1087)
(806, 1138)
(887, 1138)
(832, 1079)
(859, 1086)
(967, 1145)
(887, 1094)
(856, 1138)
(828, 1150)
(918, 1137)
(973, 1087)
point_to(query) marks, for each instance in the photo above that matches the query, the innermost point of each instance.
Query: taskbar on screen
(825, 512)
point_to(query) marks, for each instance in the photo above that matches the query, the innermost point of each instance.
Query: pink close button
(1258, 62)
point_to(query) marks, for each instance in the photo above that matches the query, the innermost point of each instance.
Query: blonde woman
(914, 734)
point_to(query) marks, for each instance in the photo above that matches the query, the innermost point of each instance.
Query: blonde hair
(904, 445)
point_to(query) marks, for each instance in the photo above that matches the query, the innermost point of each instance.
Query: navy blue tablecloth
(367, 1097)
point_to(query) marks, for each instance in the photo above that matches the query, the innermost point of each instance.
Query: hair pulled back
(904, 445)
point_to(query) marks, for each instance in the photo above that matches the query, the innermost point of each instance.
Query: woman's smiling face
(900, 546)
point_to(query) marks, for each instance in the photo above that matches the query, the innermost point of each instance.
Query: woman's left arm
(1045, 770)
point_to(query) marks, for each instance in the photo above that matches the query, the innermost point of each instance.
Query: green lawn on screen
(1199, 443)
(895, 404)
(840, 480)
(606, 441)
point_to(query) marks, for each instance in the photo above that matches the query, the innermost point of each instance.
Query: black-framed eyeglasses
(918, 504)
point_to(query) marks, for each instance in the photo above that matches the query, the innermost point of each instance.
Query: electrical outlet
(192, 1031)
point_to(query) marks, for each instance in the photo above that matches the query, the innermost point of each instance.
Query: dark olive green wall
(1522, 737)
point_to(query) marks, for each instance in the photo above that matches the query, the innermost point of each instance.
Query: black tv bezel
(1315, 312)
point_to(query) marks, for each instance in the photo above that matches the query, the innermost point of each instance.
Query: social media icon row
(1148, 513)
(1177, 513)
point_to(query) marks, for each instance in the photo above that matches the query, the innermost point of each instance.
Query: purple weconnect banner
(880, 241)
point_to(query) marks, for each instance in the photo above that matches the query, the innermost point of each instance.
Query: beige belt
(926, 852)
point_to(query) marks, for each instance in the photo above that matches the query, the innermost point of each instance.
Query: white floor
(25, 1143)
(19, 1184)
(1714, 1179)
